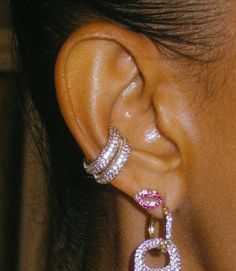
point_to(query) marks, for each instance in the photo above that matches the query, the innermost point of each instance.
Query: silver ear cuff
(107, 155)
(112, 159)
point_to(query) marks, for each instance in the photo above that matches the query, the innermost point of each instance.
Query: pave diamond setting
(149, 199)
(116, 165)
(171, 249)
(165, 245)
(107, 155)
(111, 160)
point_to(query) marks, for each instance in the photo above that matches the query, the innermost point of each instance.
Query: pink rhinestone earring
(150, 199)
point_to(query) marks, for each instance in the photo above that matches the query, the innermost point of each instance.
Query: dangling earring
(111, 160)
(165, 245)
(104, 169)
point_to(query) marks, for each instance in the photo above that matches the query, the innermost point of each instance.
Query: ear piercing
(111, 160)
(149, 199)
(164, 245)
(104, 169)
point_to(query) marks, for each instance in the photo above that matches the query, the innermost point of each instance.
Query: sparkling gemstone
(174, 257)
(149, 199)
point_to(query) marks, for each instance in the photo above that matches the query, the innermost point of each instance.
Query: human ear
(108, 76)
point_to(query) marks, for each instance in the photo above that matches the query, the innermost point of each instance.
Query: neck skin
(133, 227)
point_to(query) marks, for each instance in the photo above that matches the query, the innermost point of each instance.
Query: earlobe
(106, 76)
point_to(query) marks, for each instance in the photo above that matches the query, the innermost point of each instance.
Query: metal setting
(149, 199)
(165, 246)
(107, 155)
(151, 227)
(117, 164)
(111, 160)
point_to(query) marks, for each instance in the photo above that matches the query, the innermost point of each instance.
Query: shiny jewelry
(149, 199)
(111, 160)
(164, 245)
(107, 155)
(116, 165)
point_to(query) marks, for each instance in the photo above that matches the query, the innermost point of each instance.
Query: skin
(183, 140)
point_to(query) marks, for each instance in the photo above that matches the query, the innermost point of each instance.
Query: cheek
(211, 173)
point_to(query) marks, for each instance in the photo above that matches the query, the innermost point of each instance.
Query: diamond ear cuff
(112, 159)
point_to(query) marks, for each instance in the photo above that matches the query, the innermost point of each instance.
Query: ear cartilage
(111, 160)
(149, 199)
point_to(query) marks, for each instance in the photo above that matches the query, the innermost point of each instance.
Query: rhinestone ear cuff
(112, 159)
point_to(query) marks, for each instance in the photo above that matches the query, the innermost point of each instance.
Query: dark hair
(79, 211)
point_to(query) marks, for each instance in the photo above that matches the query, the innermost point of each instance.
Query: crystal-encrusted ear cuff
(111, 160)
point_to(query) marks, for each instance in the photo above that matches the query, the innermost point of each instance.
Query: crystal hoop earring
(165, 245)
